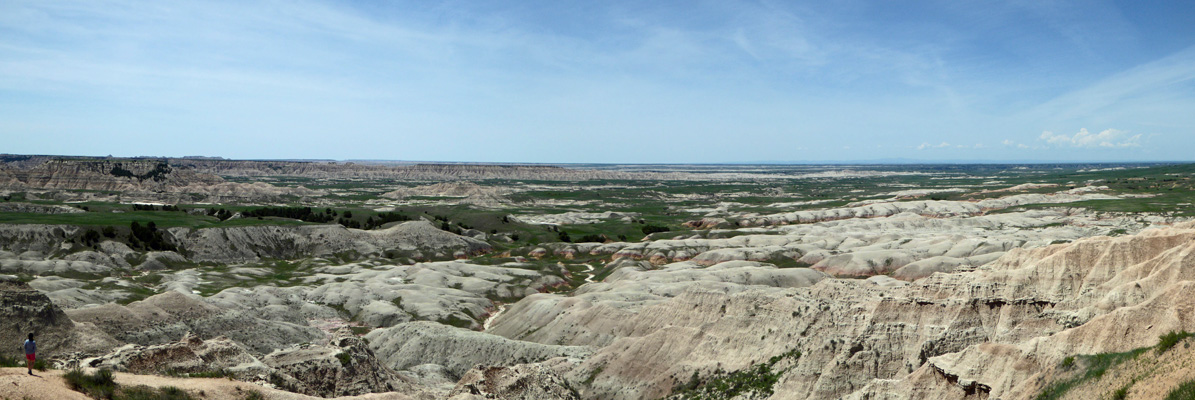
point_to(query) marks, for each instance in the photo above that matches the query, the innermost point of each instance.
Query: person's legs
(29, 359)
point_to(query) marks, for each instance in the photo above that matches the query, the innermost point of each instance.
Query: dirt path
(15, 384)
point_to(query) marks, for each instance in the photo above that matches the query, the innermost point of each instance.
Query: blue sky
(610, 81)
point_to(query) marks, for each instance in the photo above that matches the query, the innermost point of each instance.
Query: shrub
(592, 238)
(650, 229)
(99, 385)
(1167, 341)
(1121, 394)
(142, 392)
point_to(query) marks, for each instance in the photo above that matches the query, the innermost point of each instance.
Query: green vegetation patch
(98, 385)
(102, 385)
(13, 362)
(1096, 365)
(1167, 341)
(755, 381)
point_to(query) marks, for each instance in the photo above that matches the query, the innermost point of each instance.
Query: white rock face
(468, 192)
(573, 218)
(987, 332)
(452, 292)
(921, 207)
(227, 245)
(458, 350)
(861, 247)
(169, 316)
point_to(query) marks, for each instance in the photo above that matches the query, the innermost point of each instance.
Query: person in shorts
(30, 353)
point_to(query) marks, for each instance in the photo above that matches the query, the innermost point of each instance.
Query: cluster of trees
(446, 225)
(220, 214)
(148, 237)
(151, 207)
(299, 213)
(308, 214)
(564, 237)
(91, 237)
(592, 238)
(385, 218)
(650, 229)
(158, 174)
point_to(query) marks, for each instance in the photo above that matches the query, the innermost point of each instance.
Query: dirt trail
(15, 384)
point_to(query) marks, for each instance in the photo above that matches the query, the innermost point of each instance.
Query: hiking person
(30, 353)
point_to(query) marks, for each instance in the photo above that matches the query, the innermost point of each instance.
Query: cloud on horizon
(1108, 139)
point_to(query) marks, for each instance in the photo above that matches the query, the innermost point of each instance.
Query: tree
(650, 229)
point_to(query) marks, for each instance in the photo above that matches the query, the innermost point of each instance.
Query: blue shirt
(30, 347)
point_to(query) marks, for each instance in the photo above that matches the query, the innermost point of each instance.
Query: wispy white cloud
(1109, 138)
(1143, 80)
(927, 145)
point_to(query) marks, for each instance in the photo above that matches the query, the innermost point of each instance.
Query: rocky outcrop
(49, 248)
(24, 310)
(458, 350)
(238, 244)
(38, 208)
(860, 247)
(133, 176)
(994, 331)
(345, 366)
(518, 382)
(162, 318)
(930, 208)
(451, 292)
(190, 355)
(41, 239)
(468, 192)
(574, 217)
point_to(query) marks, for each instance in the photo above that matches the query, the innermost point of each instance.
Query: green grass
(15, 362)
(1167, 341)
(102, 385)
(1096, 365)
(1122, 393)
(98, 385)
(142, 392)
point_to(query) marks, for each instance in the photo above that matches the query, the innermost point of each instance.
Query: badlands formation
(996, 289)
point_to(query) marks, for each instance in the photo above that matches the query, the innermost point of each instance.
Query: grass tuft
(102, 385)
(99, 385)
(1167, 341)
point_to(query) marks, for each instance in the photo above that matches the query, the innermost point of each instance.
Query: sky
(601, 82)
